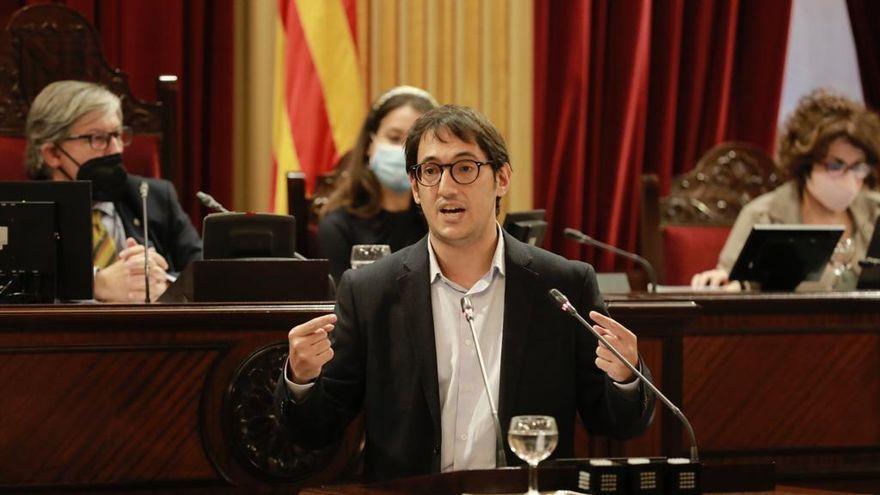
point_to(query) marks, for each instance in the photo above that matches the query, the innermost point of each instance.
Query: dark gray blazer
(171, 231)
(386, 364)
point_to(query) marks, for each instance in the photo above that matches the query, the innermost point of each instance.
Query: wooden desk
(789, 377)
(163, 396)
(132, 396)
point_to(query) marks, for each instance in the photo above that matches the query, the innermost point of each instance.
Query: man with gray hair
(74, 132)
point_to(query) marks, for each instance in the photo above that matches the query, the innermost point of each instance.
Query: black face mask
(107, 175)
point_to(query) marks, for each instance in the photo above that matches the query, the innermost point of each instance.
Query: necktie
(103, 247)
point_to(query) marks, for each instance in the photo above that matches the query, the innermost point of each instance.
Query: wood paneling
(793, 378)
(124, 396)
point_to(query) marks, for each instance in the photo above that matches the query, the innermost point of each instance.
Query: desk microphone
(578, 236)
(566, 306)
(468, 309)
(210, 202)
(145, 190)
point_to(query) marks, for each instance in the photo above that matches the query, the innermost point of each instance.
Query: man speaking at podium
(399, 347)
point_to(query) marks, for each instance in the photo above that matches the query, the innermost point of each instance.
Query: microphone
(145, 190)
(210, 202)
(567, 307)
(578, 236)
(468, 309)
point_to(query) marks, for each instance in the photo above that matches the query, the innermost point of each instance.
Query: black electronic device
(779, 257)
(46, 237)
(249, 235)
(527, 226)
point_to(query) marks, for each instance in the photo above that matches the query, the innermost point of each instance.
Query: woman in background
(829, 146)
(372, 203)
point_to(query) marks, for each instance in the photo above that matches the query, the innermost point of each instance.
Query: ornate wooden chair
(683, 233)
(47, 43)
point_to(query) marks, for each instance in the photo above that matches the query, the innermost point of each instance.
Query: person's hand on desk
(310, 348)
(714, 279)
(123, 281)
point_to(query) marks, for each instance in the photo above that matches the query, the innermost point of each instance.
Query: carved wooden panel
(260, 439)
(47, 43)
(726, 178)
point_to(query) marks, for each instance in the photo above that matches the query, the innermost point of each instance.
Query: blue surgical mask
(388, 163)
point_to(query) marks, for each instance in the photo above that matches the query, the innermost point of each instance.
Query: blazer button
(436, 449)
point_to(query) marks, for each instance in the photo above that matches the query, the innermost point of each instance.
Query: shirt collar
(497, 258)
(105, 207)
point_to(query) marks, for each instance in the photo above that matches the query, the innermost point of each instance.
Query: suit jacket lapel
(415, 298)
(518, 304)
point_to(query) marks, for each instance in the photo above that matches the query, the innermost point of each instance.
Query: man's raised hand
(310, 348)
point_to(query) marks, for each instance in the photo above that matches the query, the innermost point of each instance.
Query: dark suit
(385, 362)
(170, 229)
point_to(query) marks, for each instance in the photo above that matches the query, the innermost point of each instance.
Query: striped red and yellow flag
(320, 98)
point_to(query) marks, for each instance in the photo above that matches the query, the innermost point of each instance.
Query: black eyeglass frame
(860, 170)
(417, 168)
(124, 134)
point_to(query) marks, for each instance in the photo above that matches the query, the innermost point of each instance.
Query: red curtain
(192, 40)
(626, 87)
(864, 16)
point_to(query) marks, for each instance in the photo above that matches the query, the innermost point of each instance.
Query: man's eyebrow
(460, 154)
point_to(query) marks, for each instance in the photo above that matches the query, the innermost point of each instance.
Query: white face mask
(389, 164)
(835, 193)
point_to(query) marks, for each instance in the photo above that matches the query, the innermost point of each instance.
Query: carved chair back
(51, 42)
(683, 233)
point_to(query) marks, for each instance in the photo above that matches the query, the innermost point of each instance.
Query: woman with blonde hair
(829, 146)
(372, 203)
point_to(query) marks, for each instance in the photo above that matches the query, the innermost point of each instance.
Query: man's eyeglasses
(837, 169)
(99, 141)
(463, 172)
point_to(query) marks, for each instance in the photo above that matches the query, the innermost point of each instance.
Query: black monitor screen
(780, 257)
(527, 226)
(248, 235)
(39, 221)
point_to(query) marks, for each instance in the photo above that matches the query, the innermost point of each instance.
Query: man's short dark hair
(464, 123)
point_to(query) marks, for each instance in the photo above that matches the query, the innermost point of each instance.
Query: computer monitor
(780, 257)
(45, 241)
(527, 226)
(248, 235)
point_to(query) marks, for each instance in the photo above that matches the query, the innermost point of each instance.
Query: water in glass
(533, 439)
(364, 254)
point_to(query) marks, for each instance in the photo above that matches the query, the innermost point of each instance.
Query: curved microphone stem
(468, 309)
(566, 306)
(145, 189)
(577, 235)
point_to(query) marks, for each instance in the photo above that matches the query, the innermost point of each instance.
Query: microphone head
(204, 198)
(561, 301)
(573, 234)
(144, 188)
(467, 307)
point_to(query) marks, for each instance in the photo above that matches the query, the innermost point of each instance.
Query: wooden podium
(176, 397)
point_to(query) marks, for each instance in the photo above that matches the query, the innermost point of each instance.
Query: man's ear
(502, 179)
(51, 155)
(413, 183)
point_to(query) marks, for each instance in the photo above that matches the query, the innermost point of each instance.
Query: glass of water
(841, 261)
(533, 439)
(364, 254)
